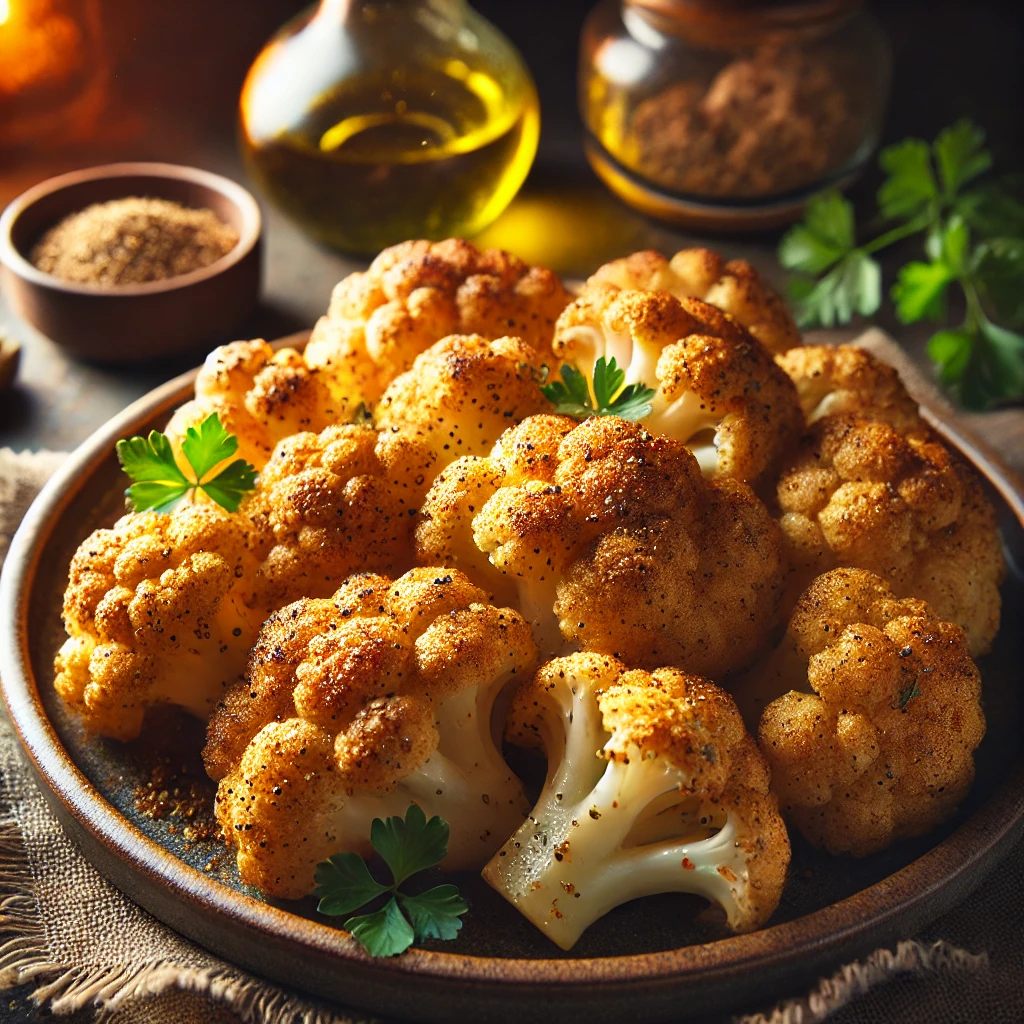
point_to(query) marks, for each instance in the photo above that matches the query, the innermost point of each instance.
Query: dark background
(177, 68)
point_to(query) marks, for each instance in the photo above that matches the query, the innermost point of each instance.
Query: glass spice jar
(373, 121)
(728, 114)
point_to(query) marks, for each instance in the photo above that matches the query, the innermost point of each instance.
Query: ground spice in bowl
(132, 241)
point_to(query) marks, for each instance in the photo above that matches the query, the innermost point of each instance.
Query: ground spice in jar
(774, 121)
(131, 241)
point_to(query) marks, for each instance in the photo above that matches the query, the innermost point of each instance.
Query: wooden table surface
(176, 72)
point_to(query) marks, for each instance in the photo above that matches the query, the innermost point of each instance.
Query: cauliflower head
(416, 293)
(156, 611)
(735, 287)
(718, 390)
(332, 504)
(613, 541)
(845, 379)
(872, 738)
(858, 494)
(354, 706)
(261, 396)
(462, 393)
(653, 786)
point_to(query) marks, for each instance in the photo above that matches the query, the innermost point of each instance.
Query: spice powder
(132, 241)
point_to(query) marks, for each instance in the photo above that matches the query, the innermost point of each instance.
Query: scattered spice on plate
(131, 241)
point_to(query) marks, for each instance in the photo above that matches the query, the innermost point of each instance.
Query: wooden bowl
(132, 323)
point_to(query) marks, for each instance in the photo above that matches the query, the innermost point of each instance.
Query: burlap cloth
(90, 952)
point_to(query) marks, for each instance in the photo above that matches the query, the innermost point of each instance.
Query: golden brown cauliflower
(653, 786)
(857, 494)
(833, 379)
(613, 541)
(735, 288)
(332, 504)
(354, 707)
(261, 396)
(156, 613)
(882, 748)
(416, 293)
(718, 390)
(462, 393)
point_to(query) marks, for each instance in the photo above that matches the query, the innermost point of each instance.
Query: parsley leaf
(412, 845)
(825, 236)
(959, 155)
(853, 286)
(160, 483)
(572, 396)
(408, 846)
(911, 187)
(920, 291)
(999, 267)
(436, 913)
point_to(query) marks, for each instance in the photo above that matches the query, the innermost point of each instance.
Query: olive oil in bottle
(375, 122)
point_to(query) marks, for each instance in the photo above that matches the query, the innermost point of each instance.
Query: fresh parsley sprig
(409, 846)
(610, 396)
(159, 481)
(973, 238)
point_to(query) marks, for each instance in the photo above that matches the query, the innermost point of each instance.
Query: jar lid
(743, 22)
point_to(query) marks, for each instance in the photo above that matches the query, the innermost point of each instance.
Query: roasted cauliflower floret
(735, 288)
(613, 540)
(849, 380)
(462, 393)
(416, 293)
(882, 747)
(858, 494)
(261, 396)
(718, 390)
(355, 706)
(332, 504)
(653, 786)
(156, 613)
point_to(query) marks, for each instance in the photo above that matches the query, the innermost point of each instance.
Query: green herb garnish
(572, 395)
(409, 846)
(972, 237)
(159, 481)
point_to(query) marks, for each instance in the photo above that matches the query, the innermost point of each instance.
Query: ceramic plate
(142, 814)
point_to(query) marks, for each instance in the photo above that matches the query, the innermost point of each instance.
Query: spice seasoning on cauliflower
(261, 396)
(882, 748)
(331, 504)
(718, 390)
(462, 393)
(653, 786)
(355, 706)
(844, 379)
(613, 540)
(416, 293)
(858, 494)
(735, 287)
(156, 612)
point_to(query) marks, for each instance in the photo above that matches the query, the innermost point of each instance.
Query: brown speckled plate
(655, 959)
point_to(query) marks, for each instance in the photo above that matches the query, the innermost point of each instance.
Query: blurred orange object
(53, 71)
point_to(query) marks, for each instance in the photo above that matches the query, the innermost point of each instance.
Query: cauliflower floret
(718, 390)
(416, 293)
(882, 747)
(653, 786)
(846, 379)
(156, 613)
(261, 396)
(735, 288)
(859, 495)
(355, 706)
(332, 504)
(462, 393)
(613, 540)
